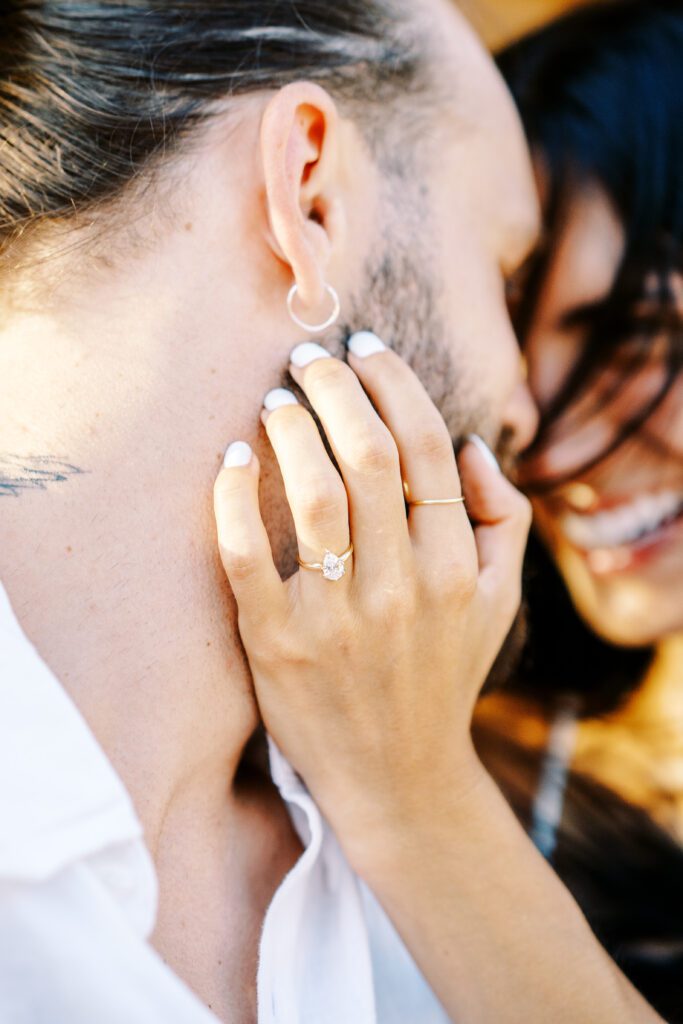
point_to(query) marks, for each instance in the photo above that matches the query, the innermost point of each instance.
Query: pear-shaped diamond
(333, 567)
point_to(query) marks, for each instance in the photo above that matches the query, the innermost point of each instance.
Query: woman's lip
(607, 502)
(611, 561)
(602, 503)
(622, 525)
(584, 499)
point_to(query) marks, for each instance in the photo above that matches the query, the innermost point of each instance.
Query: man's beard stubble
(400, 304)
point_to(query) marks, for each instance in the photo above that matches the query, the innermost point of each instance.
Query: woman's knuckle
(346, 631)
(328, 373)
(374, 453)
(290, 653)
(228, 486)
(457, 580)
(446, 581)
(241, 566)
(322, 503)
(394, 607)
(432, 443)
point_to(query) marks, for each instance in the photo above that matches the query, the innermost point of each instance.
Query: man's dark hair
(92, 92)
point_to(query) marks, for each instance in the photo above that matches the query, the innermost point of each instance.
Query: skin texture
(138, 357)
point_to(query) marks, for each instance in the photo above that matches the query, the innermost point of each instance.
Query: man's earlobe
(299, 151)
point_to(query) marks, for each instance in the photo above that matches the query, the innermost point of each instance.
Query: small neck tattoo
(21, 473)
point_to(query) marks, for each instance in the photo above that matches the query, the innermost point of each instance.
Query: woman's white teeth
(625, 524)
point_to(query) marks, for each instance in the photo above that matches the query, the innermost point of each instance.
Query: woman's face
(615, 531)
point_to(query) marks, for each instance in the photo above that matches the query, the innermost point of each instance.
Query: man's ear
(300, 155)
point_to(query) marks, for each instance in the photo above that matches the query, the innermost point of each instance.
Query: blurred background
(502, 21)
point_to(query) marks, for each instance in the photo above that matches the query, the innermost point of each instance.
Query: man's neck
(109, 553)
(114, 573)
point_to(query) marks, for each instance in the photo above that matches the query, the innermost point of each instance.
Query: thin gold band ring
(439, 501)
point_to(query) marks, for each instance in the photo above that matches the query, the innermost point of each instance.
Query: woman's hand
(368, 684)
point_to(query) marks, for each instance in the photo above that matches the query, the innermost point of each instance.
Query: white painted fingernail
(485, 450)
(365, 343)
(277, 398)
(238, 454)
(308, 353)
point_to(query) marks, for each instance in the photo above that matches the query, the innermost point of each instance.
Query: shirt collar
(60, 798)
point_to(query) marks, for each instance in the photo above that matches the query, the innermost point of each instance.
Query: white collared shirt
(78, 891)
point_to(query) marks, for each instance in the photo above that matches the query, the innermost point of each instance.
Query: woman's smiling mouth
(618, 537)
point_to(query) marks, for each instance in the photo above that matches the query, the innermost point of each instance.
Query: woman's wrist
(404, 825)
